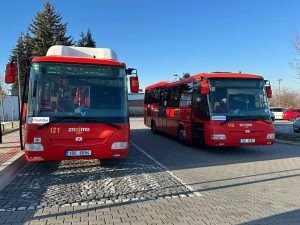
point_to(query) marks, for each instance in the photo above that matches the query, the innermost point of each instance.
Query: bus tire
(153, 128)
(182, 137)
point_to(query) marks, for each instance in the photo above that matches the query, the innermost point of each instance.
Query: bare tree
(296, 62)
(287, 98)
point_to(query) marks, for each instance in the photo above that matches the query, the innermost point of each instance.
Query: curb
(11, 131)
(10, 168)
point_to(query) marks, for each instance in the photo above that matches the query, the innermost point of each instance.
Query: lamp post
(279, 81)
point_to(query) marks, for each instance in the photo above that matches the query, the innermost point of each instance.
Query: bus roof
(63, 59)
(82, 52)
(72, 54)
(203, 75)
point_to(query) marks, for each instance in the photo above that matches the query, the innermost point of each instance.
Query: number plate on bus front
(247, 140)
(78, 152)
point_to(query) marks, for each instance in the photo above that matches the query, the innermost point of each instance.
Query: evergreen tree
(48, 30)
(86, 40)
(186, 75)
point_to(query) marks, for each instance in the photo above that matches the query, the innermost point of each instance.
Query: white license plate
(78, 152)
(247, 140)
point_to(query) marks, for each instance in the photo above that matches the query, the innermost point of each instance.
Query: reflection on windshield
(53, 93)
(238, 98)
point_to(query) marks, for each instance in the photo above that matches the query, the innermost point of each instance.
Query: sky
(161, 38)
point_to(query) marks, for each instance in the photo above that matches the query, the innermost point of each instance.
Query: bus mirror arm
(131, 71)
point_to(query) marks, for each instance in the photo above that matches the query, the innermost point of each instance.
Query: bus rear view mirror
(10, 73)
(204, 87)
(134, 85)
(269, 91)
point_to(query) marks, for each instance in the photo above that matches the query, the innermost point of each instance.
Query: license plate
(78, 152)
(247, 140)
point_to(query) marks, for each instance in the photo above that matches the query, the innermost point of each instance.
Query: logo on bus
(246, 125)
(78, 130)
(231, 125)
(78, 139)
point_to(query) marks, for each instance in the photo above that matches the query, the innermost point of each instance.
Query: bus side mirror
(269, 91)
(204, 87)
(10, 73)
(134, 84)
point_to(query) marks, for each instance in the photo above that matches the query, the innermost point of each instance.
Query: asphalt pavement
(161, 182)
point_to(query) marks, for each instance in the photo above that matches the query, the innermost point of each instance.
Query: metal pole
(12, 112)
(2, 109)
(20, 102)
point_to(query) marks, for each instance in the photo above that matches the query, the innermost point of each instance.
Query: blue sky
(163, 38)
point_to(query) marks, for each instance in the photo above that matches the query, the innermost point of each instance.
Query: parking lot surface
(161, 182)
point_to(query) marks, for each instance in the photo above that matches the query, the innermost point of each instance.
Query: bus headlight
(34, 147)
(271, 136)
(119, 145)
(218, 137)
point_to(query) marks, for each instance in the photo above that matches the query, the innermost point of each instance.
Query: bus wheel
(182, 136)
(153, 127)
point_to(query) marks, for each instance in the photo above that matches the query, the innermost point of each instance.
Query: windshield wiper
(57, 120)
(258, 119)
(91, 119)
(231, 118)
(80, 119)
(247, 118)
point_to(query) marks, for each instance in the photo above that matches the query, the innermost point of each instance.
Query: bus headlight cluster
(34, 147)
(271, 136)
(119, 145)
(218, 137)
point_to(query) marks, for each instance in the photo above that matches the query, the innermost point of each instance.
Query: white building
(9, 108)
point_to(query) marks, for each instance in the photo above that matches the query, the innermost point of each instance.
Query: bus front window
(95, 91)
(238, 98)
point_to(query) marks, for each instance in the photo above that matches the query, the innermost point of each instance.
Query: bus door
(162, 113)
(198, 115)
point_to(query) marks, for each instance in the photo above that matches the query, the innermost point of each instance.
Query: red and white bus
(215, 109)
(75, 105)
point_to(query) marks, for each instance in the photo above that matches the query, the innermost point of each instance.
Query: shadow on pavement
(288, 218)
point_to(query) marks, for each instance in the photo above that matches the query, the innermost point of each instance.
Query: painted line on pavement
(190, 188)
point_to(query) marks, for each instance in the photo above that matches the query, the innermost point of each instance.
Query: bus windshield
(79, 91)
(231, 98)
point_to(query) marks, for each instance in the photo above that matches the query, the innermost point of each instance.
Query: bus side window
(186, 95)
(146, 97)
(153, 96)
(174, 97)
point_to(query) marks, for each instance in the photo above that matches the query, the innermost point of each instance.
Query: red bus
(215, 109)
(75, 105)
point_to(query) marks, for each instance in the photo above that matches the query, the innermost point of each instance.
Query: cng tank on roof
(82, 52)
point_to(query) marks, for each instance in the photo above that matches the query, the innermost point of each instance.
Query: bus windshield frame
(77, 91)
(237, 99)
